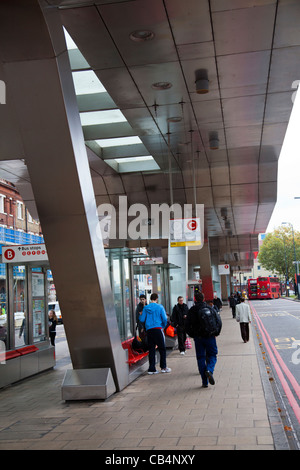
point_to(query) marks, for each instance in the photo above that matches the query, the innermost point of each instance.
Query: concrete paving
(156, 412)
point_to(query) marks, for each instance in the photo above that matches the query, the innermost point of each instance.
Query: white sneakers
(167, 369)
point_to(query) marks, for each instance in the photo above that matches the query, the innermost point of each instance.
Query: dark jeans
(181, 335)
(156, 337)
(52, 337)
(244, 331)
(206, 353)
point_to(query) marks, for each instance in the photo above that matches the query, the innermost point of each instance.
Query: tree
(277, 252)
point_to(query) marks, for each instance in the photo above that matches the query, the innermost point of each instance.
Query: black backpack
(205, 322)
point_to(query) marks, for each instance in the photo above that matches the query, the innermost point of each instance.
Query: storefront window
(19, 306)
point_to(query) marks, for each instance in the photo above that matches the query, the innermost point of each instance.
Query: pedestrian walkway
(155, 412)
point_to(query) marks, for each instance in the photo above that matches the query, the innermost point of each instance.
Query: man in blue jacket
(155, 319)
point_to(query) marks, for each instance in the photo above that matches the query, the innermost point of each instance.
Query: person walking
(217, 302)
(52, 326)
(204, 324)
(232, 303)
(178, 320)
(155, 319)
(243, 316)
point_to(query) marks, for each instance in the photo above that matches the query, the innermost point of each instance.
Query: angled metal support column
(39, 80)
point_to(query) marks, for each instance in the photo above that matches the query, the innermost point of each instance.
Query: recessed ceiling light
(174, 119)
(141, 35)
(161, 85)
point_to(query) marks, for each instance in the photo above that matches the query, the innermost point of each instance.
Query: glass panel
(38, 307)
(19, 306)
(3, 308)
(127, 299)
(117, 293)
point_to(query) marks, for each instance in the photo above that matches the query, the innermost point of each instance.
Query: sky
(287, 208)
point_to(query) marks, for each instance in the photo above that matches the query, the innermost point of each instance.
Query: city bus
(268, 288)
(252, 289)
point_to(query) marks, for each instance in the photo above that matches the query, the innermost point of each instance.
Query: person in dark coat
(138, 313)
(178, 319)
(232, 303)
(217, 302)
(204, 337)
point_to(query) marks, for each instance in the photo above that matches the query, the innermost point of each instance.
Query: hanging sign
(185, 232)
(224, 269)
(24, 253)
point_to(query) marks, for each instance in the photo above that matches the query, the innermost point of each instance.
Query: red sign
(192, 225)
(9, 254)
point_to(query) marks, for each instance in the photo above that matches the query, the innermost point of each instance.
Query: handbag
(171, 331)
(188, 343)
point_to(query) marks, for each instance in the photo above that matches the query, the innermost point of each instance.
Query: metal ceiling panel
(221, 5)
(244, 29)
(244, 173)
(278, 107)
(244, 74)
(243, 155)
(285, 69)
(219, 173)
(146, 76)
(243, 136)
(287, 31)
(123, 19)
(190, 21)
(267, 191)
(273, 134)
(244, 194)
(243, 111)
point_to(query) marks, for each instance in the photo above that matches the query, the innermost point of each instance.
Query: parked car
(55, 306)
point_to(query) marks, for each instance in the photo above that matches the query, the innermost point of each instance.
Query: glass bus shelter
(24, 332)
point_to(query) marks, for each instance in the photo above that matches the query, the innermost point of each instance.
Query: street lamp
(295, 262)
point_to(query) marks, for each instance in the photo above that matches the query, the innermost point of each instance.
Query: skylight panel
(118, 141)
(86, 82)
(102, 117)
(69, 41)
(133, 164)
(133, 159)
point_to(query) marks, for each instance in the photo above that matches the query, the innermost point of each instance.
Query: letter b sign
(9, 254)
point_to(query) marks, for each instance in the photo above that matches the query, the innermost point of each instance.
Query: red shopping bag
(188, 343)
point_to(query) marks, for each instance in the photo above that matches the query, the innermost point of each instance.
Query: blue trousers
(206, 354)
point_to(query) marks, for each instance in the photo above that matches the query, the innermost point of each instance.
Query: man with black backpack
(204, 324)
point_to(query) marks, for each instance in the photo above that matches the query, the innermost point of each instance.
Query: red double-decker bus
(268, 288)
(252, 289)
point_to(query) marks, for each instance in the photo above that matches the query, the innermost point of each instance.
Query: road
(278, 327)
